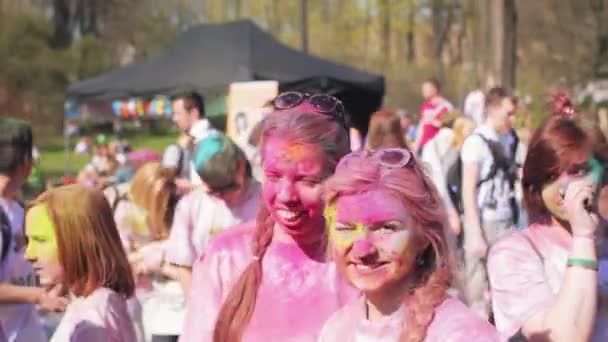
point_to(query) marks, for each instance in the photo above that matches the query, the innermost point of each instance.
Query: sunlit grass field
(55, 162)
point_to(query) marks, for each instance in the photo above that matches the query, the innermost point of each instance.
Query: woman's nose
(362, 248)
(286, 192)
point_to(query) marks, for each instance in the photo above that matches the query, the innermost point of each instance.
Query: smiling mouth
(290, 215)
(369, 267)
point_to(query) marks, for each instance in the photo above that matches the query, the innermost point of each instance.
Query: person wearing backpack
(486, 194)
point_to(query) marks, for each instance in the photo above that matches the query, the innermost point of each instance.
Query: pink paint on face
(292, 185)
(373, 244)
(362, 247)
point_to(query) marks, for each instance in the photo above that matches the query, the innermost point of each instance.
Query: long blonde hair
(153, 189)
(460, 125)
(88, 244)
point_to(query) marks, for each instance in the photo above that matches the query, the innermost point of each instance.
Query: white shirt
(100, 317)
(434, 156)
(19, 321)
(497, 189)
(199, 131)
(474, 106)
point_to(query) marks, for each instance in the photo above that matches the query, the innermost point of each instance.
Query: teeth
(288, 215)
(362, 267)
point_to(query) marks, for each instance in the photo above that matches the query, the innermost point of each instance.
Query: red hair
(562, 140)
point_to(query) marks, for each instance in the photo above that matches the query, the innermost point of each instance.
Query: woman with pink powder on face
(549, 282)
(387, 230)
(270, 280)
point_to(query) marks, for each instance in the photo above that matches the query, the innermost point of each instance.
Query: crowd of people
(456, 228)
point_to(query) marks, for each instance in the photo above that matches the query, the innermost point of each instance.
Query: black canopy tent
(208, 57)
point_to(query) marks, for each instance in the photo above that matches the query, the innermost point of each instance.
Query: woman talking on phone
(549, 282)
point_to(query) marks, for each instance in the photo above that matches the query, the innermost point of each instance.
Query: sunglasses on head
(322, 103)
(390, 158)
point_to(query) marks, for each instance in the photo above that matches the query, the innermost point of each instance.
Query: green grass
(54, 162)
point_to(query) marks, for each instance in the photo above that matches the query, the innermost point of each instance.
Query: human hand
(476, 246)
(52, 299)
(578, 202)
(148, 259)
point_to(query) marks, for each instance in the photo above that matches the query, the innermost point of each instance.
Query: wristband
(585, 263)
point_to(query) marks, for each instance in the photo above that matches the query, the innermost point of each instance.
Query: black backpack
(501, 162)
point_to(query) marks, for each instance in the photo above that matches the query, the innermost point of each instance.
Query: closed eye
(35, 239)
(310, 182)
(272, 176)
(343, 227)
(390, 227)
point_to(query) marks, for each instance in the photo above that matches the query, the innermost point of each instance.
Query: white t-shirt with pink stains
(100, 317)
(526, 270)
(199, 216)
(452, 322)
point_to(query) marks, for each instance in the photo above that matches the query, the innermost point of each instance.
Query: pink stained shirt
(296, 296)
(430, 111)
(525, 280)
(100, 317)
(453, 322)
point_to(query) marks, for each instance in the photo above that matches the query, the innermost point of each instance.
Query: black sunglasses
(322, 103)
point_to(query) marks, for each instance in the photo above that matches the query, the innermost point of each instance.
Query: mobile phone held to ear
(587, 202)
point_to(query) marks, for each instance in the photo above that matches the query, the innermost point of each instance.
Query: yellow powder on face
(342, 239)
(40, 231)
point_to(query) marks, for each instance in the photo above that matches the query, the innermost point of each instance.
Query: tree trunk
(600, 65)
(238, 9)
(386, 31)
(304, 24)
(62, 35)
(87, 16)
(411, 24)
(498, 42)
(442, 21)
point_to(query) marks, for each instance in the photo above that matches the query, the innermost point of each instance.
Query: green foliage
(38, 73)
(556, 49)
